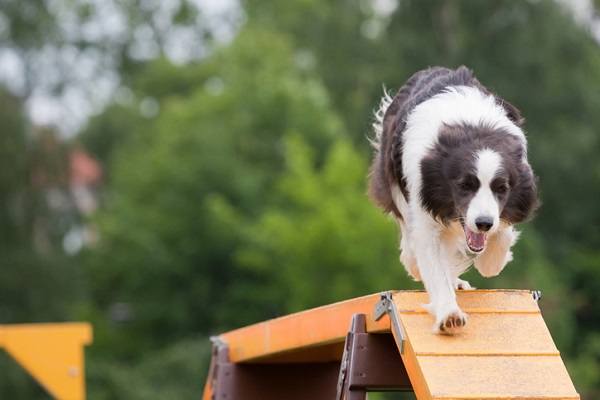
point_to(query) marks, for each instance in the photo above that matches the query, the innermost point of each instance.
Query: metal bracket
(342, 382)
(386, 305)
(537, 295)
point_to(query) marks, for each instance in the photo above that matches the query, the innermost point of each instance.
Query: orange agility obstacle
(52, 354)
(384, 342)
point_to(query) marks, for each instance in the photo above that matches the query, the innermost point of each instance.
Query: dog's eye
(468, 183)
(502, 189)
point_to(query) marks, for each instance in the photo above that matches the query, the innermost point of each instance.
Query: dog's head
(478, 176)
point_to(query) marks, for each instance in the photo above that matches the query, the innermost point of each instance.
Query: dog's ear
(436, 195)
(512, 112)
(523, 200)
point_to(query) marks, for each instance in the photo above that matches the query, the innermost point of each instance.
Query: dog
(451, 167)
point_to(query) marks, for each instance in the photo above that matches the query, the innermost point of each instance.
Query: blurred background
(170, 170)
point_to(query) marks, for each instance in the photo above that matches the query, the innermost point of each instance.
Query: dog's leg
(497, 252)
(407, 257)
(435, 268)
(407, 254)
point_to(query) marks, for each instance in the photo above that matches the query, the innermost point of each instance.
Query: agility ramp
(384, 342)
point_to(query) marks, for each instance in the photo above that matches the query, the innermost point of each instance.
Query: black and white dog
(451, 167)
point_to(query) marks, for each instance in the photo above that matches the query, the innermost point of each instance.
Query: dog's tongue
(476, 241)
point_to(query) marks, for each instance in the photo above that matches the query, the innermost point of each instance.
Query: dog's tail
(384, 103)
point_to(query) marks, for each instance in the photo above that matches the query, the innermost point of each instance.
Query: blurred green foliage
(235, 184)
(215, 170)
(320, 214)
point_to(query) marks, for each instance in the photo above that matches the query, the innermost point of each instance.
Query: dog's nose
(484, 224)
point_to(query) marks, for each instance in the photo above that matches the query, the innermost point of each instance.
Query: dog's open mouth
(475, 240)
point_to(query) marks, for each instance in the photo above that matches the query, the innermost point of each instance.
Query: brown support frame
(370, 362)
(266, 381)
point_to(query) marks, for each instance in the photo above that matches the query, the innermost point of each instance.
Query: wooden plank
(519, 334)
(494, 377)
(470, 301)
(318, 327)
(504, 352)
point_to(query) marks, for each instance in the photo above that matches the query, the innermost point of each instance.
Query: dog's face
(479, 177)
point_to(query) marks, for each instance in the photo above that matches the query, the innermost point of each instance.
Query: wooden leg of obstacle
(270, 381)
(52, 354)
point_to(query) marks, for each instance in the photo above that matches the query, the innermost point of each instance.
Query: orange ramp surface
(505, 351)
(52, 353)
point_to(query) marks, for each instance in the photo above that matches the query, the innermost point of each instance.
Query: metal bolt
(73, 371)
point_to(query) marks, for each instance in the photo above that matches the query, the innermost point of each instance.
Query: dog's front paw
(460, 284)
(452, 323)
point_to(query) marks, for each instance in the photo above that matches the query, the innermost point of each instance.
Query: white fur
(484, 203)
(385, 102)
(407, 256)
(497, 252)
(430, 251)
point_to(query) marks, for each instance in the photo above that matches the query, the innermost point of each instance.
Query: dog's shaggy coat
(451, 168)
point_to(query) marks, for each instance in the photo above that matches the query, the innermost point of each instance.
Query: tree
(34, 212)
(212, 153)
(72, 56)
(321, 240)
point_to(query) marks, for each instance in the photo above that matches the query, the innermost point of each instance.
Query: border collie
(451, 168)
